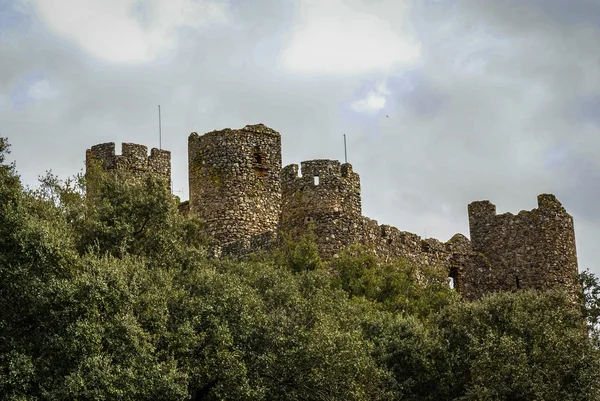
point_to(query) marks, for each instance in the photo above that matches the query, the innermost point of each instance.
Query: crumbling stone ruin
(534, 249)
(249, 203)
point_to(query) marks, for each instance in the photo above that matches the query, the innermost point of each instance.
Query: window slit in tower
(518, 282)
(316, 180)
(260, 165)
(258, 157)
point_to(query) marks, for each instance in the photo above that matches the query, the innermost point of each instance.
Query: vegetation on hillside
(114, 298)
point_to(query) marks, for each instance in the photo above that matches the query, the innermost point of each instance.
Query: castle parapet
(322, 186)
(133, 159)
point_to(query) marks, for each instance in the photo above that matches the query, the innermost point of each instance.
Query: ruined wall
(326, 196)
(332, 207)
(234, 181)
(390, 243)
(134, 160)
(534, 249)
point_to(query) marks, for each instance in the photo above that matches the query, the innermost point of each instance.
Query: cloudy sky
(443, 101)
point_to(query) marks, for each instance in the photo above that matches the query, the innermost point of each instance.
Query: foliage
(396, 286)
(298, 252)
(591, 303)
(519, 346)
(108, 295)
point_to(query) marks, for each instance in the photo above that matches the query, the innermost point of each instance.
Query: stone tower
(532, 250)
(234, 181)
(326, 195)
(133, 159)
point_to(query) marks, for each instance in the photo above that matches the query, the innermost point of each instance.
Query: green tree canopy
(113, 297)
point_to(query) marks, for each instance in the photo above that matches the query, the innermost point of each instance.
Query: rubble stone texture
(327, 197)
(234, 181)
(249, 203)
(534, 249)
(134, 160)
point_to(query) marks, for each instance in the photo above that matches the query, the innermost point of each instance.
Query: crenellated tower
(531, 250)
(326, 195)
(134, 160)
(234, 181)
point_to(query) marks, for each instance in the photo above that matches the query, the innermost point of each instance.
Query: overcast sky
(443, 101)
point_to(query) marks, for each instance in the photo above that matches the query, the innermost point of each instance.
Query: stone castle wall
(234, 181)
(134, 160)
(249, 203)
(533, 249)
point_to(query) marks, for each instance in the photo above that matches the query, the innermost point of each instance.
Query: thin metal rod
(345, 151)
(159, 129)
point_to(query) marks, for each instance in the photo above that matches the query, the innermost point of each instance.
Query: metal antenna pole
(159, 129)
(345, 151)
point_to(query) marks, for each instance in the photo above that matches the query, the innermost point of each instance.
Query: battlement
(486, 210)
(335, 185)
(134, 159)
(319, 172)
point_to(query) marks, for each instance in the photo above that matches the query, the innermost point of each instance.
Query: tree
(591, 304)
(519, 346)
(112, 297)
(396, 286)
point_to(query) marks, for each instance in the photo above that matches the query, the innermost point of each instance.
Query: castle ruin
(247, 201)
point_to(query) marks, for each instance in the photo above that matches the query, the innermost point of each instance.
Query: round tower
(234, 181)
(326, 196)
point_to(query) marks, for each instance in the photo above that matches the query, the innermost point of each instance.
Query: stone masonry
(134, 160)
(248, 203)
(234, 181)
(326, 196)
(534, 249)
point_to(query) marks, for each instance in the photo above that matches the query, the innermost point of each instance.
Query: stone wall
(133, 159)
(390, 243)
(234, 181)
(533, 249)
(243, 248)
